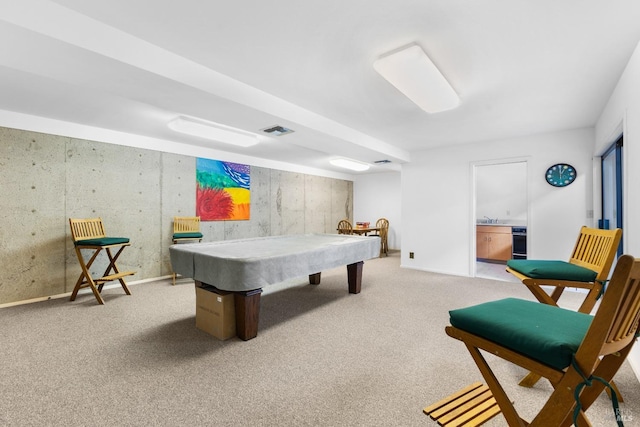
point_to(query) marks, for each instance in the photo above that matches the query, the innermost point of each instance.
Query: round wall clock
(560, 175)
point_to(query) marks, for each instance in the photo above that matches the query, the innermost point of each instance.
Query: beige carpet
(322, 357)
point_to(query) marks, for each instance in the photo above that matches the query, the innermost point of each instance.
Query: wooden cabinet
(493, 242)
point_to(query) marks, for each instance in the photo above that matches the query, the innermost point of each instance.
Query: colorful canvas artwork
(222, 190)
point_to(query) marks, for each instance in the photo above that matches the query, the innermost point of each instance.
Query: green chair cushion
(187, 236)
(104, 241)
(543, 332)
(560, 270)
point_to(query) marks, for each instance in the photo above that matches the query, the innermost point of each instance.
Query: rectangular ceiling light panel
(411, 71)
(350, 164)
(213, 131)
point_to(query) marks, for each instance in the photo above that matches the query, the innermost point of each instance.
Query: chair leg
(591, 298)
(616, 390)
(114, 267)
(559, 407)
(562, 397)
(85, 278)
(557, 293)
(89, 283)
(540, 294)
(529, 380)
(508, 411)
(96, 285)
(383, 247)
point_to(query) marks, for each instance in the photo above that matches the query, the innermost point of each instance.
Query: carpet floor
(322, 357)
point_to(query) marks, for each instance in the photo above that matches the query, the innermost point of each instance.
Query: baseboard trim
(81, 292)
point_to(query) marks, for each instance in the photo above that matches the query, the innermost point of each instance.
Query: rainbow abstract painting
(222, 190)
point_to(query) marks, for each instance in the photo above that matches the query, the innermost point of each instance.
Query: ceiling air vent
(277, 130)
(382, 162)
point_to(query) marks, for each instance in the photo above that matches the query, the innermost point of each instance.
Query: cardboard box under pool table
(215, 312)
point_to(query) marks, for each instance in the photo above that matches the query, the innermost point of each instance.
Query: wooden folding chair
(578, 353)
(89, 234)
(186, 229)
(587, 268)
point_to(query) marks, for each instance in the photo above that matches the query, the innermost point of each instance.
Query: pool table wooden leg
(314, 279)
(354, 274)
(247, 306)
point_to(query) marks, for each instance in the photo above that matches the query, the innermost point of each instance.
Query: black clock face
(561, 175)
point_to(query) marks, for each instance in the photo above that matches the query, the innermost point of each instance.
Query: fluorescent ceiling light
(411, 71)
(349, 164)
(213, 131)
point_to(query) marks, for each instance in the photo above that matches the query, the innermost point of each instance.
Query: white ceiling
(520, 68)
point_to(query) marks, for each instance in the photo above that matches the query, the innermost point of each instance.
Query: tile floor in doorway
(490, 270)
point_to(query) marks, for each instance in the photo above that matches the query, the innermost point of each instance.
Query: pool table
(246, 266)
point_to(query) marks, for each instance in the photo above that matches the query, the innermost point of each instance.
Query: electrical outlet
(410, 255)
(589, 213)
(508, 212)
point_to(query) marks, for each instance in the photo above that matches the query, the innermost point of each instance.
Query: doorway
(500, 200)
(611, 168)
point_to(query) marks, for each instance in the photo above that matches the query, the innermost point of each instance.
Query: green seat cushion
(546, 333)
(560, 270)
(187, 236)
(104, 241)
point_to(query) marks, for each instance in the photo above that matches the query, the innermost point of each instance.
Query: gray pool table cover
(246, 264)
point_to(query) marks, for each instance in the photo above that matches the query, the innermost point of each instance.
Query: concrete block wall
(47, 179)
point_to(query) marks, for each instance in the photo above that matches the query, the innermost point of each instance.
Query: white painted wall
(622, 115)
(378, 196)
(501, 192)
(438, 199)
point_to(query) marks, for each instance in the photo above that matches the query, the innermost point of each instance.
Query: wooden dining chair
(578, 353)
(383, 225)
(185, 229)
(345, 227)
(89, 234)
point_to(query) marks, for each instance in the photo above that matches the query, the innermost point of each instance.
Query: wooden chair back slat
(616, 322)
(345, 227)
(86, 228)
(626, 322)
(382, 223)
(186, 224)
(596, 249)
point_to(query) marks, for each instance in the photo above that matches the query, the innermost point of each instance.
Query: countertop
(502, 224)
